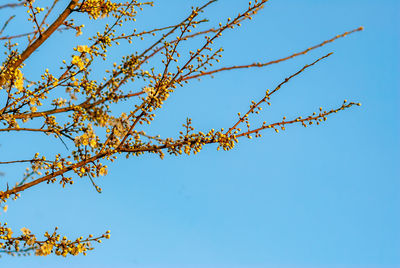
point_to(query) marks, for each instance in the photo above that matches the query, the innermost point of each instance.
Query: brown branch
(241, 119)
(25, 34)
(310, 119)
(25, 186)
(34, 18)
(15, 36)
(173, 29)
(84, 105)
(44, 113)
(211, 30)
(41, 39)
(12, 5)
(48, 12)
(24, 161)
(6, 23)
(27, 129)
(274, 61)
(237, 20)
(152, 31)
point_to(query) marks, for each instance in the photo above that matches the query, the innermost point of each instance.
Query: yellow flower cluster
(59, 102)
(81, 60)
(103, 171)
(19, 80)
(99, 8)
(120, 125)
(84, 48)
(53, 243)
(25, 231)
(15, 78)
(78, 61)
(88, 138)
(44, 250)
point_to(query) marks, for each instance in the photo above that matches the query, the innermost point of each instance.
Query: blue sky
(322, 196)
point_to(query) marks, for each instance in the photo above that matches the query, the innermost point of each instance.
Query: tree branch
(41, 39)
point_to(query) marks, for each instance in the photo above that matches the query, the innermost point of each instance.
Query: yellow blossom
(84, 48)
(31, 241)
(44, 250)
(88, 138)
(19, 80)
(103, 171)
(76, 60)
(25, 231)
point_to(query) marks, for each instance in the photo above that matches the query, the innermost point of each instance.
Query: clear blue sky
(326, 196)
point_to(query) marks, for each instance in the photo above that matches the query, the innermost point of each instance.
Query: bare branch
(258, 65)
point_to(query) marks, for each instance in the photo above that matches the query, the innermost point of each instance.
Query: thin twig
(274, 61)
(6, 23)
(12, 5)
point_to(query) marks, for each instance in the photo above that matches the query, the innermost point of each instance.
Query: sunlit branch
(12, 5)
(39, 41)
(315, 118)
(268, 94)
(6, 24)
(258, 65)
